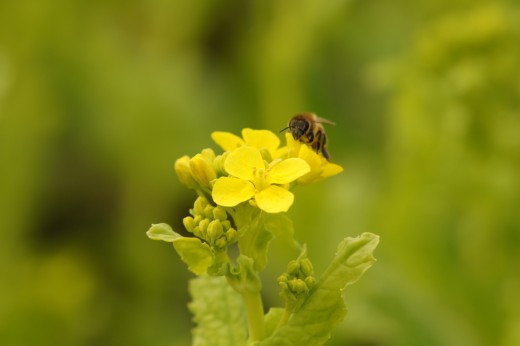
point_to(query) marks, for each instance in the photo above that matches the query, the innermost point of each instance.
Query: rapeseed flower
(250, 177)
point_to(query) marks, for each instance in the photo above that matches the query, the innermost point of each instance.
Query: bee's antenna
(282, 130)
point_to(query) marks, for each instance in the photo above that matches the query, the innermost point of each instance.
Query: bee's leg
(310, 137)
(323, 145)
(316, 145)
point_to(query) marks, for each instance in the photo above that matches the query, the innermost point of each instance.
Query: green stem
(255, 315)
(283, 321)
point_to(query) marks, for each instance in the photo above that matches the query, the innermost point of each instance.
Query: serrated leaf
(324, 308)
(218, 311)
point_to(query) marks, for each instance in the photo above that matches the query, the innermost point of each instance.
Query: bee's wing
(324, 121)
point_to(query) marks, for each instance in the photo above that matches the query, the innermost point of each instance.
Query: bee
(307, 128)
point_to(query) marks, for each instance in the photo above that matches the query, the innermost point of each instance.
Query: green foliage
(218, 311)
(324, 308)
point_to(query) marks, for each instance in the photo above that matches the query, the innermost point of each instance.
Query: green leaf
(162, 231)
(254, 238)
(324, 308)
(272, 319)
(281, 226)
(196, 254)
(218, 311)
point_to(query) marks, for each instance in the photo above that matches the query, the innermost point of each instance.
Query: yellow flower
(261, 139)
(251, 177)
(321, 168)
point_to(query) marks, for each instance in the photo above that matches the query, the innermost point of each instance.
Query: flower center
(261, 178)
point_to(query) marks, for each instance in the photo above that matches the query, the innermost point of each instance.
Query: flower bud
(219, 213)
(293, 267)
(221, 243)
(208, 211)
(183, 170)
(306, 267)
(198, 218)
(196, 232)
(209, 154)
(218, 164)
(297, 286)
(199, 205)
(203, 225)
(189, 223)
(282, 278)
(226, 224)
(310, 281)
(202, 170)
(214, 231)
(231, 235)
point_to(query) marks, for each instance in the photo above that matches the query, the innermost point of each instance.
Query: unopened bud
(209, 154)
(199, 205)
(218, 164)
(196, 231)
(198, 218)
(208, 211)
(231, 235)
(282, 278)
(310, 281)
(297, 286)
(221, 243)
(306, 267)
(202, 170)
(183, 170)
(203, 225)
(226, 225)
(189, 223)
(214, 231)
(219, 213)
(293, 267)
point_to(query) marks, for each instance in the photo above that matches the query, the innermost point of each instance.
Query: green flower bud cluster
(200, 170)
(296, 282)
(210, 223)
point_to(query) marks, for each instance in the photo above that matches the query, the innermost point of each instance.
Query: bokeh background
(98, 99)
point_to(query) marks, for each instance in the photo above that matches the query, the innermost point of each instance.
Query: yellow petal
(227, 140)
(274, 199)
(331, 169)
(315, 161)
(261, 139)
(288, 171)
(293, 146)
(229, 191)
(311, 157)
(242, 162)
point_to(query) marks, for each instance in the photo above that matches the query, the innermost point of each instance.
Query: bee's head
(298, 127)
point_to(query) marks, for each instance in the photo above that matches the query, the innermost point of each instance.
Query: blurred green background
(98, 99)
